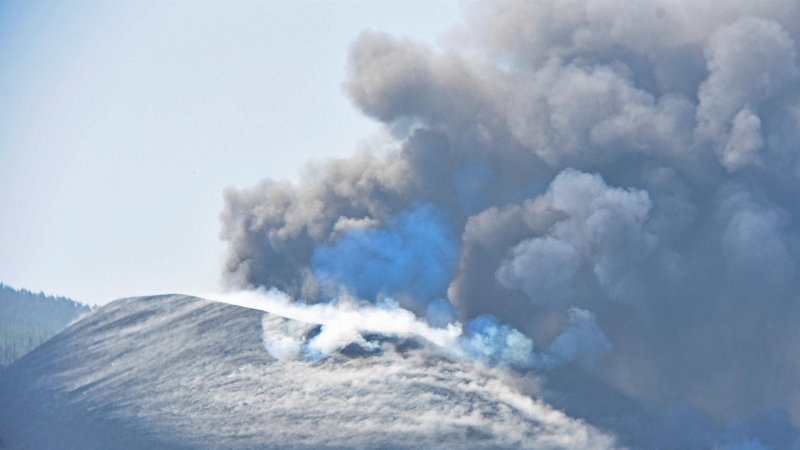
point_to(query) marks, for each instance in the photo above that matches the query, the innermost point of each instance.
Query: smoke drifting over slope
(637, 161)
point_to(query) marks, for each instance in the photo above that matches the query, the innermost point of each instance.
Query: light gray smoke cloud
(636, 160)
(601, 228)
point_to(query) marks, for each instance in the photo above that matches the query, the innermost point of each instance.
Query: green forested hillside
(28, 319)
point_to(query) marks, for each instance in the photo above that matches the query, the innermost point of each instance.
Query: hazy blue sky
(122, 123)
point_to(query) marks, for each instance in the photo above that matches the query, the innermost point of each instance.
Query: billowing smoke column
(636, 162)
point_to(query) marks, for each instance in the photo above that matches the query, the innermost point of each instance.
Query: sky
(121, 124)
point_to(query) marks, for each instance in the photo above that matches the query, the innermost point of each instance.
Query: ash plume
(636, 162)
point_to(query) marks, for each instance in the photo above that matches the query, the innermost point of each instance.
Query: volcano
(179, 372)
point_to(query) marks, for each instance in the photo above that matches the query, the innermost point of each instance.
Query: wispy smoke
(296, 331)
(496, 344)
(623, 171)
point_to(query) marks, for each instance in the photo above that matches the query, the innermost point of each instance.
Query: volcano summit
(177, 372)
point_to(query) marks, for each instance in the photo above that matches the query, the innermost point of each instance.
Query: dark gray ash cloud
(636, 160)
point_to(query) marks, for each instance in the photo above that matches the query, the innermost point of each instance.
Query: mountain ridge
(178, 372)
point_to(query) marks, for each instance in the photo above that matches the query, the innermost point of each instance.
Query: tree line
(28, 319)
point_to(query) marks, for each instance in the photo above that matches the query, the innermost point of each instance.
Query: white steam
(288, 326)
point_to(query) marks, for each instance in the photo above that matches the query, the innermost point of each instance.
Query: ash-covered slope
(181, 372)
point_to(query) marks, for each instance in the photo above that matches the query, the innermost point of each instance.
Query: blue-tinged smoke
(415, 255)
(440, 313)
(497, 344)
